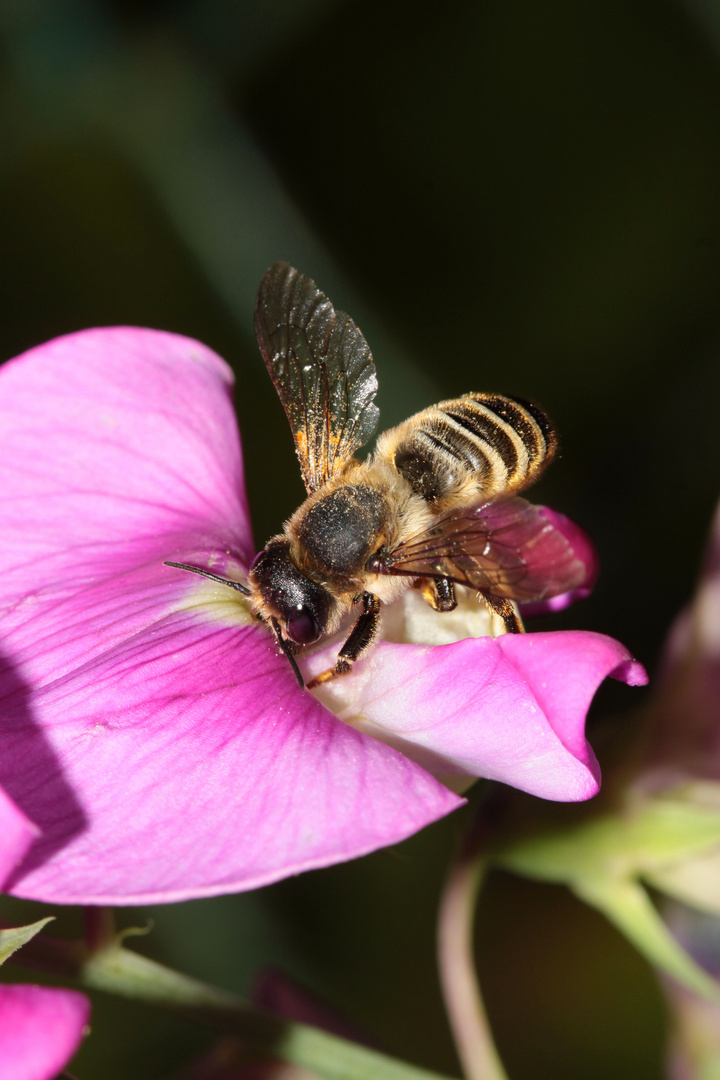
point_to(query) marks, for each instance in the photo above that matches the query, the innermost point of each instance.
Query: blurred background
(517, 197)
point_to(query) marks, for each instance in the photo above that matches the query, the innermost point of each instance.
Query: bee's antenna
(286, 648)
(213, 577)
(284, 645)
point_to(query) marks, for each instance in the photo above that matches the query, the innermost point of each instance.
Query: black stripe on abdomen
(486, 433)
(543, 421)
(524, 421)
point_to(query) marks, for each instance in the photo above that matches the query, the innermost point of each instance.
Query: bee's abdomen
(498, 443)
(515, 437)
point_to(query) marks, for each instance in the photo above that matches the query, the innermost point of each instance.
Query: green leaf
(628, 907)
(661, 839)
(337, 1059)
(696, 882)
(14, 938)
(640, 838)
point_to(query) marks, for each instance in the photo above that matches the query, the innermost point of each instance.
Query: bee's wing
(322, 369)
(506, 547)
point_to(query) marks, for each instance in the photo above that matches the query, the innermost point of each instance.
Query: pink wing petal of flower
(40, 1030)
(116, 434)
(512, 708)
(148, 726)
(16, 835)
(584, 550)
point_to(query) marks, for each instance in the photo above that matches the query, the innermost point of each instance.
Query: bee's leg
(506, 611)
(439, 593)
(361, 638)
(289, 648)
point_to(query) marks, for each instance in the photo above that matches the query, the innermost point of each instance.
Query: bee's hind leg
(506, 611)
(361, 638)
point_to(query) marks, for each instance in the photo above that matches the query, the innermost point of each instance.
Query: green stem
(458, 977)
(626, 904)
(120, 971)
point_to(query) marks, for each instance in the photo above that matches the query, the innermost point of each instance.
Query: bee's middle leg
(439, 593)
(361, 638)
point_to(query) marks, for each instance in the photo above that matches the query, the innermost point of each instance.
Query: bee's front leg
(361, 638)
(289, 648)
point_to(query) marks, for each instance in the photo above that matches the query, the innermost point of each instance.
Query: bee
(435, 506)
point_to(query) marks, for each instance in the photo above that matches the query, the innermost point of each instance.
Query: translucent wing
(507, 548)
(322, 369)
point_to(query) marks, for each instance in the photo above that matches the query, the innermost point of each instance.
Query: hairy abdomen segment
(471, 448)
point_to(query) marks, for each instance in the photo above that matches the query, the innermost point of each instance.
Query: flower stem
(99, 927)
(460, 986)
(121, 971)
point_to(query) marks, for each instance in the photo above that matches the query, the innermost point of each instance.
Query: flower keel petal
(511, 708)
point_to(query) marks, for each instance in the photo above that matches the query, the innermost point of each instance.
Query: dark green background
(521, 197)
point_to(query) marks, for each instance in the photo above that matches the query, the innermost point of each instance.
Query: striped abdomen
(481, 445)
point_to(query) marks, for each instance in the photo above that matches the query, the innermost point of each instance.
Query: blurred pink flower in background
(686, 710)
(40, 1029)
(683, 733)
(684, 747)
(151, 731)
(694, 1029)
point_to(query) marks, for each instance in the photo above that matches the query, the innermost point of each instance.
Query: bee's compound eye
(302, 626)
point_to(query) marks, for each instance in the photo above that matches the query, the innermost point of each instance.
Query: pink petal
(112, 435)
(511, 708)
(584, 550)
(17, 833)
(193, 764)
(40, 1030)
(149, 727)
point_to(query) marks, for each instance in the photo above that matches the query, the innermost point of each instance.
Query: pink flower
(40, 1030)
(150, 729)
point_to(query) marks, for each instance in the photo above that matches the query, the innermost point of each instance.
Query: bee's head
(279, 590)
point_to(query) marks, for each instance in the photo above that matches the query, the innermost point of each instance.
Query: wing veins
(521, 557)
(328, 391)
